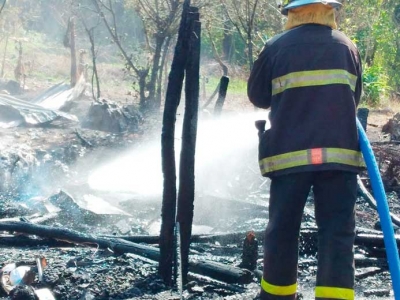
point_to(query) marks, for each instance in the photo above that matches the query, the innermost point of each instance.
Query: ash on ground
(44, 181)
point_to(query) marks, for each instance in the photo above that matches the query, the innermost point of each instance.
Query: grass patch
(236, 86)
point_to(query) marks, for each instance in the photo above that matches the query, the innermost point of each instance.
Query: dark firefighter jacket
(310, 77)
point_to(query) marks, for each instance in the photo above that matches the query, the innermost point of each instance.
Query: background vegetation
(127, 45)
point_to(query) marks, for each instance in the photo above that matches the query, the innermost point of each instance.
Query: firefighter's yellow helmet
(289, 4)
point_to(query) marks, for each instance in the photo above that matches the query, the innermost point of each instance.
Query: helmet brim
(299, 3)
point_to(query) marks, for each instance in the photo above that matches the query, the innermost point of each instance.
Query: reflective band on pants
(278, 290)
(334, 293)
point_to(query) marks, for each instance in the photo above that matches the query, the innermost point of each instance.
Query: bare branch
(215, 52)
(115, 37)
(232, 21)
(105, 6)
(148, 11)
(253, 13)
(95, 76)
(2, 6)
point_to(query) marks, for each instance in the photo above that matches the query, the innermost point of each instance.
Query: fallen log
(386, 143)
(372, 202)
(222, 239)
(35, 218)
(373, 240)
(360, 261)
(217, 271)
(366, 272)
(208, 281)
(24, 241)
(367, 230)
(72, 236)
(19, 218)
(364, 262)
(146, 239)
(44, 218)
(308, 238)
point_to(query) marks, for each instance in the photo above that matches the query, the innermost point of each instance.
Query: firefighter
(309, 77)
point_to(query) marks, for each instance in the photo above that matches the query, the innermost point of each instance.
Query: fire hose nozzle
(260, 125)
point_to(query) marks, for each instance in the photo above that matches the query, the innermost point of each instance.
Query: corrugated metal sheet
(14, 112)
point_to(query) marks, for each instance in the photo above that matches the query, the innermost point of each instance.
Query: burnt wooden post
(362, 114)
(189, 133)
(174, 90)
(223, 87)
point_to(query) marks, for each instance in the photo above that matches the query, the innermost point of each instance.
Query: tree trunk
(74, 72)
(227, 43)
(151, 87)
(174, 90)
(250, 49)
(142, 74)
(4, 56)
(189, 134)
(95, 76)
(160, 87)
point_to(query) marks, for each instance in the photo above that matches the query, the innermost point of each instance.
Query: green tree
(371, 25)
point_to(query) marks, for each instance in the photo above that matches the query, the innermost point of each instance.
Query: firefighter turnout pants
(335, 194)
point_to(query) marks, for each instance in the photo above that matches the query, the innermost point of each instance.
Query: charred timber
(308, 239)
(61, 237)
(223, 87)
(217, 271)
(373, 240)
(186, 191)
(372, 202)
(360, 261)
(174, 90)
(24, 241)
(72, 236)
(35, 218)
(221, 272)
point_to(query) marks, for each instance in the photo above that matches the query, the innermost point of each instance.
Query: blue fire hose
(383, 210)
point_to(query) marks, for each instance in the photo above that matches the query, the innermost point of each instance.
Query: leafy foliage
(372, 26)
(375, 85)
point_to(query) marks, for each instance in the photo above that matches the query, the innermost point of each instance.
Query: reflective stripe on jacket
(314, 156)
(311, 79)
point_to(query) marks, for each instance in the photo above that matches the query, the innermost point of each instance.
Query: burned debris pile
(388, 154)
(109, 116)
(96, 250)
(96, 262)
